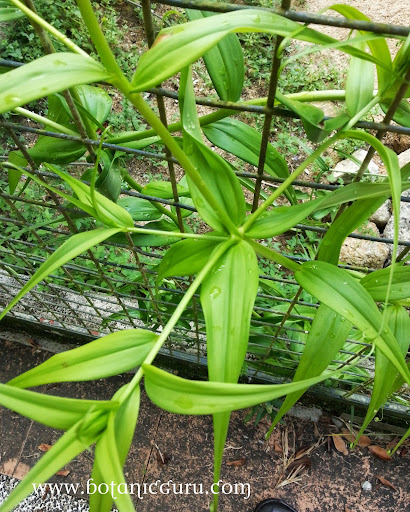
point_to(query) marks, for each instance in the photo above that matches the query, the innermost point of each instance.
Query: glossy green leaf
(96, 101)
(150, 240)
(377, 282)
(402, 113)
(244, 142)
(178, 46)
(71, 248)
(311, 117)
(63, 451)
(110, 466)
(359, 83)
(163, 190)
(113, 354)
(344, 294)
(360, 211)
(8, 12)
(326, 337)
(378, 47)
(385, 373)
(224, 62)
(46, 75)
(139, 209)
(14, 176)
(53, 411)
(281, 219)
(185, 258)
(227, 302)
(109, 181)
(183, 396)
(108, 211)
(125, 422)
(216, 173)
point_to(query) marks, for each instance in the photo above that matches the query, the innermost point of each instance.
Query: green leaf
(125, 422)
(341, 292)
(244, 142)
(163, 190)
(139, 209)
(359, 212)
(109, 181)
(53, 411)
(178, 46)
(402, 113)
(224, 62)
(216, 173)
(183, 396)
(281, 219)
(377, 283)
(385, 373)
(14, 176)
(149, 240)
(378, 47)
(359, 83)
(96, 102)
(311, 117)
(63, 451)
(110, 466)
(326, 337)
(74, 246)
(113, 354)
(227, 301)
(8, 12)
(185, 258)
(46, 75)
(109, 212)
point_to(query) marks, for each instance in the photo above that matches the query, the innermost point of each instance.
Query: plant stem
(132, 183)
(43, 120)
(56, 33)
(216, 255)
(121, 82)
(304, 96)
(177, 234)
(362, 113)
(274, 256)
(310, 159)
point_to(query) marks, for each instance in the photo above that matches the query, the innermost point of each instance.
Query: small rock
(382, 215)
(364, 253)
(404, 226)
(338, 423)
(366, 486)
(404, 158)
(346, 169)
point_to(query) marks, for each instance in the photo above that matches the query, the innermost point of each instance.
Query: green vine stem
(43, 120)
(121, 82)
(52, 30)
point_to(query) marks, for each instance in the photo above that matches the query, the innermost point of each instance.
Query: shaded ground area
(179, 448)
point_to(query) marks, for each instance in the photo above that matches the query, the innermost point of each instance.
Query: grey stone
(364, 253)
(404, 158)
(382, 215)
(404, 226)
(366, 486)
(346, 169)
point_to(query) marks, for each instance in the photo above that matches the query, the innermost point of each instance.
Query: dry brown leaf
(404, 451)
(278, 448)
(340, 445)
(316, 430)
(348, 435)
(379, 452)
(301, 452)
(364, 441)
(304, 461)
(236, 463)
(385, 482)
(63, 472)
(44, 447)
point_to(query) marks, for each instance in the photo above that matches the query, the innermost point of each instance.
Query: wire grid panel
(113, 286)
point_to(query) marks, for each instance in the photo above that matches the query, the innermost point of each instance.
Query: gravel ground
(36, 502)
